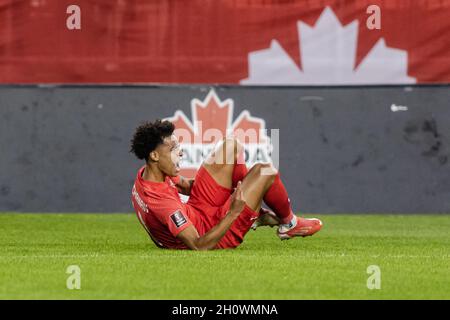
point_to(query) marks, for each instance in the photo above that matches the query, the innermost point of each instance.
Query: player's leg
(256, 184)
(275, 195)
(226, 166)
(266, 218)
(262, 182)
(218, 174)
(240, 168)
(226, 163)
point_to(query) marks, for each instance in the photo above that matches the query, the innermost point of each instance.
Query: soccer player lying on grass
(215, 216)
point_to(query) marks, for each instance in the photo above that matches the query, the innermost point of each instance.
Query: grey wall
(65, 149)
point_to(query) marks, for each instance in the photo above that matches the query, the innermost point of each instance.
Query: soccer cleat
(266, 218)
(256, 224)
(303, 228)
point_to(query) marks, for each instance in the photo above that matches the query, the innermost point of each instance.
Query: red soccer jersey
(160, 210)
(163, 214)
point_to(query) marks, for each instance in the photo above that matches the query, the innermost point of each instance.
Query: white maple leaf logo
(328, 54)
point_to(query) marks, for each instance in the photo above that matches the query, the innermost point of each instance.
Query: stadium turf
(118, 261)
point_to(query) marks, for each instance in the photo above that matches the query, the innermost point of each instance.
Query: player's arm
(184, 185)
(209, 240)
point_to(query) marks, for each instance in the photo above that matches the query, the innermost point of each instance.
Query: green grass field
(118, 261)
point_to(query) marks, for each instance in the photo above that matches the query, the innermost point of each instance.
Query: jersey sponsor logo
(178, 219)
(212, 120)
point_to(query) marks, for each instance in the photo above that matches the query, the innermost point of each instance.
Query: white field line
(46, 256)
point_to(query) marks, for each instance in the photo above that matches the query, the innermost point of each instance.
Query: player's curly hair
(148, 136)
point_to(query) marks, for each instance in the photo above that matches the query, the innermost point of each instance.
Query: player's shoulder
(159, 194)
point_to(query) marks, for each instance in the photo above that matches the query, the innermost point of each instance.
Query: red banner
(237, 42)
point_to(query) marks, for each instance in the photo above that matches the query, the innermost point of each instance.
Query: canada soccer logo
(212, 120)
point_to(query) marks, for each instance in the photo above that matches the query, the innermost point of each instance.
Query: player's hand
(237, 200)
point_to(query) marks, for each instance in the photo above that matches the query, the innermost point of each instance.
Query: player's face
(170, 155)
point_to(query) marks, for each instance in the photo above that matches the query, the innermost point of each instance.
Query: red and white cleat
(303, 228)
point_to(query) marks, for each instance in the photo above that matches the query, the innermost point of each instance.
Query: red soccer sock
(278, 200)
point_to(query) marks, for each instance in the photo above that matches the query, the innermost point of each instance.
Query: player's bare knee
(268, 173)
(218, 155)
(256, 167)
(232, 143)
(231, 149)
(266, 170)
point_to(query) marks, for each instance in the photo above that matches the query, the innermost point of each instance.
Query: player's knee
(225, 152)
(232, 143)
(266, 170)
(233, 147)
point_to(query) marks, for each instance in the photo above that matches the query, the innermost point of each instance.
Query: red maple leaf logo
(212, 120)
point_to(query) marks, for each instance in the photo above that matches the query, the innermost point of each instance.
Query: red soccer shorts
(211, 202)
